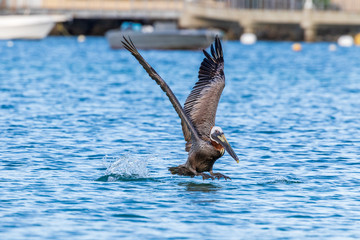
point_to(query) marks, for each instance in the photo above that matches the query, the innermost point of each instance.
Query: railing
(174, 5)
(333, 5)
(107, 5)
(264, 4)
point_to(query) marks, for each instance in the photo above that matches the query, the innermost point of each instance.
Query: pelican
(205, 142)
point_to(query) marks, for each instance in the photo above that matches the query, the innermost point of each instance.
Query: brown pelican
(205, 142)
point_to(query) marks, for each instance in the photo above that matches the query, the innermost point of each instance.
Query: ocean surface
(86, 138)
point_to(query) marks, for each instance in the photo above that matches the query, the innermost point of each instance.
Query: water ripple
(87, 139)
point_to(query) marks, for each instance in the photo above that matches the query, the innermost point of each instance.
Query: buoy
(296, 47)
(345, 41)
(81, 38)
(248, 38)
(147, 29)
(357, 39)
(10, 44)
(332, 47)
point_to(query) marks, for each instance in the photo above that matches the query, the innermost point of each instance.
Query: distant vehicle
(163, 35)
(28, 26)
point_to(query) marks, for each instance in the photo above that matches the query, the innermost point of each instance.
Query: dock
(232, 16)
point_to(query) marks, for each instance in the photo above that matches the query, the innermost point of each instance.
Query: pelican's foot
(219, 175)
(205, 176)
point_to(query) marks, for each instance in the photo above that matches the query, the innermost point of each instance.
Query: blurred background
(87, 137)
(294, 20)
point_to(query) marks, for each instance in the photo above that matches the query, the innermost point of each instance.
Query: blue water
(86, 139)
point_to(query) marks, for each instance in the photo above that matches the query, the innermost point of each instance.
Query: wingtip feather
(218, 46)
(207, 55)
(128, 44)
(215, 50)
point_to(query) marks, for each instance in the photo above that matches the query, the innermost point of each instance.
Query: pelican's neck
(218, 147)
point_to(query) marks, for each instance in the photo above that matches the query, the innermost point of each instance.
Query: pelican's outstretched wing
(203, 100)
(129, 45)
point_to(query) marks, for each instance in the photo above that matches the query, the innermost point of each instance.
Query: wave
(280, 180)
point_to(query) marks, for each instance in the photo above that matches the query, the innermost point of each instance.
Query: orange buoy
(357, 39)
(296, 47)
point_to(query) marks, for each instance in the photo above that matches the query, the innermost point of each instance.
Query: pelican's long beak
(222, 140)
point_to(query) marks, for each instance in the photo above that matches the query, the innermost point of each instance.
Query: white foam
(127, 166)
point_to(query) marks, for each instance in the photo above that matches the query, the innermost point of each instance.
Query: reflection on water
(122, 178)
(200, 187)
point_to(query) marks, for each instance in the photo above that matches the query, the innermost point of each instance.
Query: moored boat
(162, 36)
(28, 26)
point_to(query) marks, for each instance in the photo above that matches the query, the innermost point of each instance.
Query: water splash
(125, 167)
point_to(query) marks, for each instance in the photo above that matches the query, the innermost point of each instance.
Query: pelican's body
(205, 142)
(201, 158)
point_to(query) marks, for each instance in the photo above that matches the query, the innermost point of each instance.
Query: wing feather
(188, 129)
(201, 104)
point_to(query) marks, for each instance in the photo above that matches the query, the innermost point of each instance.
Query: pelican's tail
(181, 170)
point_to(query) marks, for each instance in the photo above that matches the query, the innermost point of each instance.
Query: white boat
(162, 36)
(28, 26)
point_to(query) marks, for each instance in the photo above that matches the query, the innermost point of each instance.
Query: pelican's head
(217, 135)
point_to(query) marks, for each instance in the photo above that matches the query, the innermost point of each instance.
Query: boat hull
(27, 27)
(180, 39)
